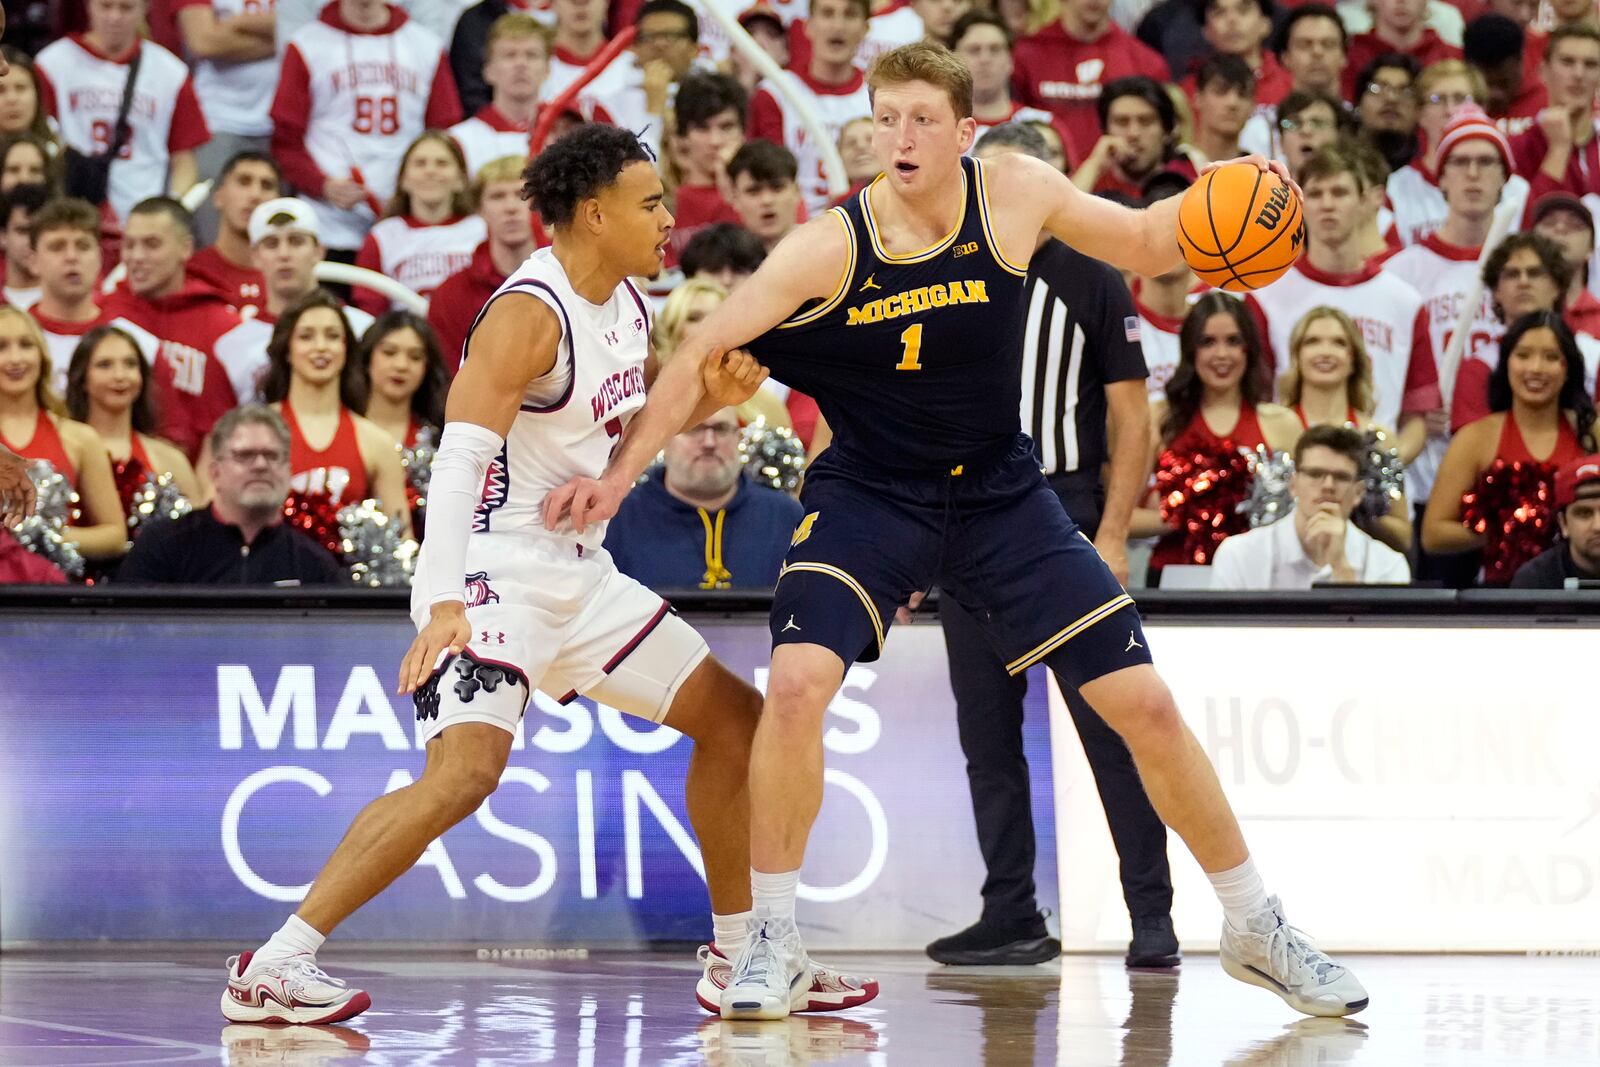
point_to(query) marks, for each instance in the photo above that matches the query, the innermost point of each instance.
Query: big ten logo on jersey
(188, 367)
(625, 333)
(331, 480)
(963, 250)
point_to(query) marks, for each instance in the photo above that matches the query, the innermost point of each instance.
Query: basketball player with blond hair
(898, 311)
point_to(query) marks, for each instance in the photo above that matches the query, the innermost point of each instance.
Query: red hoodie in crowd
(191, 386)
(458, 300)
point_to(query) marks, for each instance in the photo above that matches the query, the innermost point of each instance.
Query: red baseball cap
(1570, 478)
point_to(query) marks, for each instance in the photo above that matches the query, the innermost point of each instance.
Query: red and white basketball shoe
(294, 990)
(830, 990)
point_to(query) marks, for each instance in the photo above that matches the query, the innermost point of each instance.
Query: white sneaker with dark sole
(771, 975)
(1276, 956)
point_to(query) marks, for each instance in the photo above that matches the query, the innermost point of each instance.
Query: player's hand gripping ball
(1240, 227)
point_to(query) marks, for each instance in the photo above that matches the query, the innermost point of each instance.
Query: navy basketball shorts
(995, 538)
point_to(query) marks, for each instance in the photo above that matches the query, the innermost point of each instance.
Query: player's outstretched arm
(515, 343)
(1029, 194)
(806, 265)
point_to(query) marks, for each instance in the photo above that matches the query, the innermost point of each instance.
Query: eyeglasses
(1385, 89)
(723, 432)
(1341, 479)
(1449, 99)
(249, 457)
(1309, 125)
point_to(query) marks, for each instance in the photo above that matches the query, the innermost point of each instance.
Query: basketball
(1240, 227)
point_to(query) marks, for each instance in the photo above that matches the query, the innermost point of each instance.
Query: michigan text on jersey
(921, 299)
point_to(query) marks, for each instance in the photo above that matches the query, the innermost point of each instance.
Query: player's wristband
(455, 486)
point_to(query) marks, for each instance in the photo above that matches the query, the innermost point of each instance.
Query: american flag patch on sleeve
(1130, 328)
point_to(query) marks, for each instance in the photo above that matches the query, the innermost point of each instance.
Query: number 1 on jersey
(910, 356)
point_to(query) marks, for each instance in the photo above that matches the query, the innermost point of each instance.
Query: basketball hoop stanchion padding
(555, 108)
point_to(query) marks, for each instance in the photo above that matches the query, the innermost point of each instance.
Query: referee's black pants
(989, 718)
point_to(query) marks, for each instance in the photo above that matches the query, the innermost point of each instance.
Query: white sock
(729, 931)
(293, 938)
(773, 894)
(1241, 893)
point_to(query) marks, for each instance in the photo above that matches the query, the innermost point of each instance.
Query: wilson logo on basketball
(1272, 210)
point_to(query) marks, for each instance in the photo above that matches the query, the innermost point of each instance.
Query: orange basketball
(1240, 227)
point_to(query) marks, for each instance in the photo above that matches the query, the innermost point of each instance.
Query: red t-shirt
(695, 207)
(1056, 71)
(1272, 81)
(240, 286)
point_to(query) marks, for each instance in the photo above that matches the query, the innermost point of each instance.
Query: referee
(1081, 355)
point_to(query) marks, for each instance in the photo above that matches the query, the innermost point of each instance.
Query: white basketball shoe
(1276, 956)
(771, 975)
(830, 990)
(294, 990)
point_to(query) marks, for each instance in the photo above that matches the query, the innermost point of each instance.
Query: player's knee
(459, 789)
(1150, 720)
(796, 698)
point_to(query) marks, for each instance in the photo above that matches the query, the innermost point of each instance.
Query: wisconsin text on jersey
(615, 389)
(357, 75)
(920, 299)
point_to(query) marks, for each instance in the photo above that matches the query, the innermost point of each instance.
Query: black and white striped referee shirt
(1080, 331)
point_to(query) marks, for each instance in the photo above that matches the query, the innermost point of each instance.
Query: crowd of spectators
(156, 330)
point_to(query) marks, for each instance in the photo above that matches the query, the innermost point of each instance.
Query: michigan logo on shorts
(803, 531)
(478, 590)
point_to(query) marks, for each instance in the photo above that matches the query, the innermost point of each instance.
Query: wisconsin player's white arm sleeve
(459, 468)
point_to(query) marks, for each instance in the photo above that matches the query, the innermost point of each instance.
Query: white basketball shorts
(547, 616)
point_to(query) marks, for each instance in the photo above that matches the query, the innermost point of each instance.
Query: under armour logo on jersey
(869, 284)
(1133, 642)
(790, 625)
(613, 338)
(498, 637)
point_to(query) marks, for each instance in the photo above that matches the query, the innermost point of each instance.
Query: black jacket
(199, 549)
(1550, 569)
(468, 47)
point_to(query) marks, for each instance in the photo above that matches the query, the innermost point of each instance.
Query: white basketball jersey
(236, 97)
(572, 418)
(369, 101)
(834, 108)
(488, 136)
(420, 256)
(1383, 306)
(889, 31)
(88, 92)
(1444, 275)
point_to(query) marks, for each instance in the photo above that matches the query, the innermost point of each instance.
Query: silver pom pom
(1384, 476)
(43, 532)
(156, 500)
(418, 464)
(377, 554)
(1270, 475)
(772, 455)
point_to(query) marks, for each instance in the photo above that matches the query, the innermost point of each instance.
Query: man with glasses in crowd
(240, 539)
(1317, 542)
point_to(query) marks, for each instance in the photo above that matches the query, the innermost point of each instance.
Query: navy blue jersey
(915, 359)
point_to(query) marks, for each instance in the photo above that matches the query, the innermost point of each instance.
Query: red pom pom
(316, 515)
(1201, 493)
(1512, 506)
